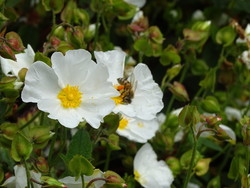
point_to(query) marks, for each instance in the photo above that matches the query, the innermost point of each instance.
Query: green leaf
(111, 122)
(209, 143)
(208, 82)
(41, 57)
(80, 144)
(189, 116)
(143, 45)
(214, 183)
(225, 36)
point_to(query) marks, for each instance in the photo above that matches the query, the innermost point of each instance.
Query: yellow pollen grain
(70, 97)
(118, 100)
(123, 124)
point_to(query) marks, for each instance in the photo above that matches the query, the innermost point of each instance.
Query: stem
(93, 180)
(192, 158)
(31, 120)
(53, 143)
(30, 185)
(221, 152)
(247, 164)
(140, 57)
(97, 28)
(83, 184)
(42, 118)
(106, 166)
(53, 19)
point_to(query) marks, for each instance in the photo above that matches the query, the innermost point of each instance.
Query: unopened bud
(212, 121)
(179, 91)
(202, 166)
(42, 164)
(14, 40)
(113, 179)
(9, 130)
(225, 36)
(189, 115)
(210, 104)
(174, 165)
(155, 34)
(51, 182)
(7, 52)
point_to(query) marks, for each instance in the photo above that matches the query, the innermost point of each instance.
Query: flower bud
(189, 116)
(114, 142)
(174, 165)
(170, 55)
(212, 121)
(202, 166)
(51, 182)
(225, 36)
(22, 74)
(210, 104)
(59, 32)
(9, 130)
(42, 164)
(14, 41)
(113, 180)
(179, 91)
(186, 159)
(21, 147)
(7, 52)
(155, 34)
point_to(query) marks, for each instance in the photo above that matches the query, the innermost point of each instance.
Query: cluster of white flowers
(77, 89)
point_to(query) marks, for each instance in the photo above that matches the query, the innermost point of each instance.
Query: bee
(127, 91)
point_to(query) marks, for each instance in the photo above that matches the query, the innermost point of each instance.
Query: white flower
(136, 129)
(233, 114)
(149, 172)
(71, 183)
(73, 90)
(245, 57)
(20, 178)
(192, 185)
(23, 60)
(140, 96)
(198, 15)
(138, 3)
(247, 34)
(139, 15)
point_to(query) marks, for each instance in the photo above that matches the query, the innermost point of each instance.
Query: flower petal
(114, 61)
(73, 68)
(138, 3)
(147, 101)
(40, 83)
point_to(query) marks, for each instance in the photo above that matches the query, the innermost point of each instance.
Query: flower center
(70, 97)
(137, 175)
(123, 123)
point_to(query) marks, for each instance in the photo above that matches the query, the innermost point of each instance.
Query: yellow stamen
(137, 175)
(123, 124)
(70, 97)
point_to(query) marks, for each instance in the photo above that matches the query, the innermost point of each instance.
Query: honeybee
(127, 92)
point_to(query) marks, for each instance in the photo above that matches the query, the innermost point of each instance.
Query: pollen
(70, 97)
(123, 124)
(140, 124)
(118, 100)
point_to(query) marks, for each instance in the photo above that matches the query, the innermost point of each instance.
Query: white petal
(153, 173)
(40, 83)
(96, 85)
(138, 3)
(229, 131)
(93, 111)
(21, 178)
(114, 60)
(37, 177)
(147, 101)
(23, 60)
(68, 117)
(71, 183)
(10, 182)
(73, 68)
(139, 130)
(137, 16)
(233, 114)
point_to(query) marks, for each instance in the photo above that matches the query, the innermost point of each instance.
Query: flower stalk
(189, 173)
